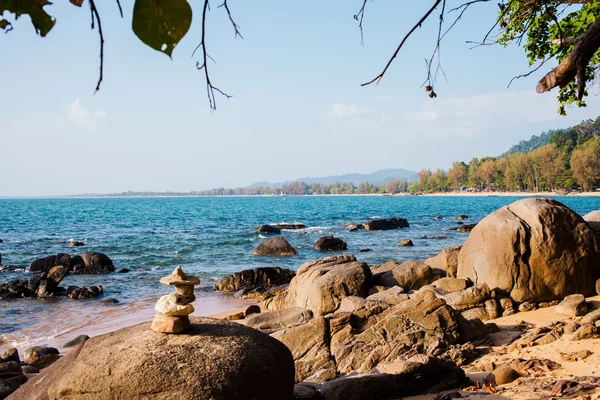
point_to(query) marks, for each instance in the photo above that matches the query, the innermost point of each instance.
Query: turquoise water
(209, 237)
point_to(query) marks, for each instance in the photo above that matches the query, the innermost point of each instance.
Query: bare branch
(359, 17)
(120, 8)
(414, 28)
(210, 88)
(235, 26)
(528, 73)
(96, 16)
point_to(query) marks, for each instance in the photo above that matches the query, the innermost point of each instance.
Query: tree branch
(414, 28)
(96, 16)
(210, 88)
(359, 17)
(575, 64)
(235, 26)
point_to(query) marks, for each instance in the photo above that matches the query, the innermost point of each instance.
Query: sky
(297, 108)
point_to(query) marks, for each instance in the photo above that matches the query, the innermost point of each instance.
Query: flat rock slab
(214, 359)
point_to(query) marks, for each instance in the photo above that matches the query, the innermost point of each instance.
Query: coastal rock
(321, 285)
(572, 306)
(462, 217)
(163, 323)
(410, 275)
(502, 375)
(593, 219)
(309, 344)
(76, 243)
(268, 230)
(173, 305)
(393, 296)
(33, 353)
(47, 263)
(416, 376)
(79, 293)
(10, 355)
(466, 228)
(290, 226)
(78, 340)
(451, 284)
(95, 263)
(446, 260)
(264, 277)
(527, 306)
(214, 359)
(330, 243)
(535, 250)
(269, 322)
(275, 247)
(406, 243)
(386, 224)
(468, 298)
(386, 334)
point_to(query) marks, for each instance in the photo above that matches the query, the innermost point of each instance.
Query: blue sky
(298, 107)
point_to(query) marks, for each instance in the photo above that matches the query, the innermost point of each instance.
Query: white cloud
(78, 113)
(347, 110)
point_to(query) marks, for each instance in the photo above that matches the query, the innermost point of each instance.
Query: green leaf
(161, 24)
(42, 22)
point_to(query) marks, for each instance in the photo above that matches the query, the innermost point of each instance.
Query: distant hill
(377, 178)
(527, 146)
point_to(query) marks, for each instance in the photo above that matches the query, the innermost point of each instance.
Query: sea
(210, 237)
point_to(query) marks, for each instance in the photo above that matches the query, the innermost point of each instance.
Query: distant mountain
(377, 178)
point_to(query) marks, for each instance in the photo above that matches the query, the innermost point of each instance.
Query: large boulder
(275, 247)
(330, 243)
(387, 334)
(321, 285)
(269, 322)
(534, 250)
(446, 260)
(309, 344)
(410, 275)
(268, 230)
(264, 277)
(593, 219)
(94, 264)
(416, 376)
(385, 224)
(214, 359)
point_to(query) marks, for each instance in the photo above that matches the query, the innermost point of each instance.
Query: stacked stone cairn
(174, 308)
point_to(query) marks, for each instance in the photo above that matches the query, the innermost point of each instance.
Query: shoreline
(218, 306)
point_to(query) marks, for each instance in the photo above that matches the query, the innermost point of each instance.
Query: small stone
(364, 250)
(78, 340)
(487, 366)
(253, 309)
(591, 317)
(76, 243)
(462, 217)
(10, 355)
(35, 352)
(547, 304)
(585, 331)
(576, 355)
(174, 305)
(526, 306)
(572, 306)
(502, 375)
(178, 277)
(167, 324)
(492, 327)
(406, 243)
(122, 271)
(109, 301)
(236, 317)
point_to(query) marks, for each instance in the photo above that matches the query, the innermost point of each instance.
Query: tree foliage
(562, 31)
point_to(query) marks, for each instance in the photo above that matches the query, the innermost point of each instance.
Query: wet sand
(112, 318)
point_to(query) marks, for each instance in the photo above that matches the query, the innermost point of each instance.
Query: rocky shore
(512, 313)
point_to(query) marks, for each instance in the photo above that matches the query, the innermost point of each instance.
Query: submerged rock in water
(76, 243)
(268, 230)
(406, 243)
(536, 250)
(214, 359)
(330, 243)
(386, 224)
(95, 263)
(275, 247)
(290, 226)
(78, 293)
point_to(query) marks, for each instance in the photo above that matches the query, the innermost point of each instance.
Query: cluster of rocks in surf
(48, 273)
(174, 308)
